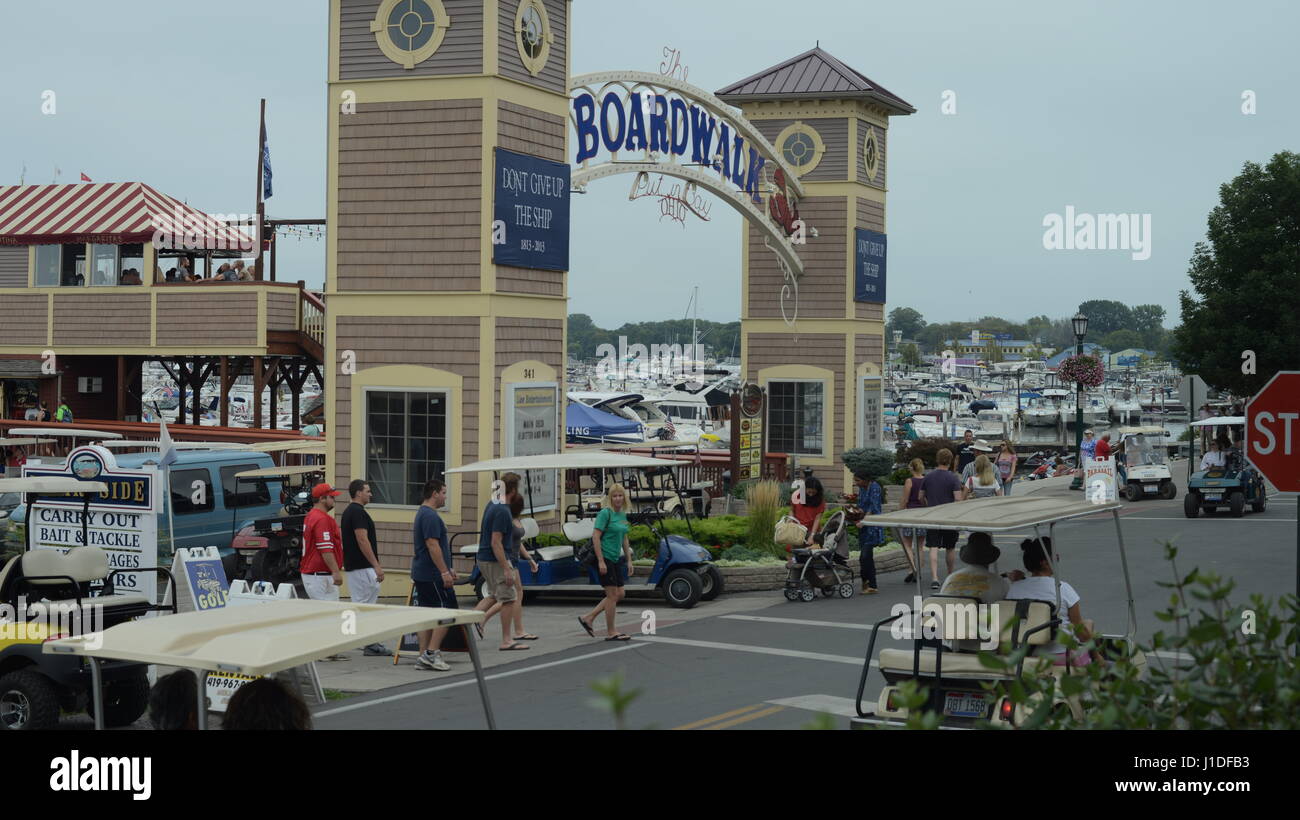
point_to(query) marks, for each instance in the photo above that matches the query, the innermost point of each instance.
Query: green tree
(1246, 281)
(904, 319)
(1105, 316)
(911, 355)
(1118, 340)
(1148, 320)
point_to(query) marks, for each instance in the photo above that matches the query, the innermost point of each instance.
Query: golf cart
(1233, 485)
(961, 689)
(48, 594)
(270, 549)
(1144, 471)
(683, 572)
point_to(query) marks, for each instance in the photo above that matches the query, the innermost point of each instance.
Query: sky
(1105, 107)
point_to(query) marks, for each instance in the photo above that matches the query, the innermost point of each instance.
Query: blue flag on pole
(266, 166)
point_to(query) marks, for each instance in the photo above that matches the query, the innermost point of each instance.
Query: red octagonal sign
(1273, 430)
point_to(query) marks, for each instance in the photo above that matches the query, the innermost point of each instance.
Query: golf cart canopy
(258, 639)
(179, 445)
(25, 442)
(992, 514)
(1216, 421)
(51, 484)
(289, 444)
(63, 432)
(308, 450)
(280, 472)
(581, 460)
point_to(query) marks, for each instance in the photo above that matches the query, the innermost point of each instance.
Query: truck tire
(28, 701)
(683, 588)
(1237, 504)
(1192, 504)
(124, 701)
(712, 581)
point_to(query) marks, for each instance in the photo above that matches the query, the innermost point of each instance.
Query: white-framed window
(49, 263)
(796, 417)
(407, 442)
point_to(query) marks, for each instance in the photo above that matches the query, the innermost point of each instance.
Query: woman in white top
(1214, 458)
(1039, 586)
(984, 483)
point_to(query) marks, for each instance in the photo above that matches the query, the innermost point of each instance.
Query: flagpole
(165, 454)
(261, 205)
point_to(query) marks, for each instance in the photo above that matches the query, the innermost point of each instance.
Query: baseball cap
(322, 490)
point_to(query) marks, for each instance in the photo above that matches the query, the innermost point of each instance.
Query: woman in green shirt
(612, 547)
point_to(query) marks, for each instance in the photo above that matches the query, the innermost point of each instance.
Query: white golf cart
(965, 692)
(1144, 471)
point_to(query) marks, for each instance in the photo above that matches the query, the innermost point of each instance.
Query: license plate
(965, 704)
(1150, 489)
(1213, 496)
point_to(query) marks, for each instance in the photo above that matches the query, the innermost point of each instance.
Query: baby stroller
(823, 567)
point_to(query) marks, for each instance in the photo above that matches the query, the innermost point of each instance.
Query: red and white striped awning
(111, 213)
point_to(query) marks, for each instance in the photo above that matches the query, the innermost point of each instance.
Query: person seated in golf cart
(1213, 459)
(1040, 586)
(974, 579)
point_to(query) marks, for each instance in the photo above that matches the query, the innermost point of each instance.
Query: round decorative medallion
(410, 31)
(533, 35)
(801, 147)
(870, 154)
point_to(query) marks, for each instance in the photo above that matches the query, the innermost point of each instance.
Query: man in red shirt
(1103, 448)
(322, 547)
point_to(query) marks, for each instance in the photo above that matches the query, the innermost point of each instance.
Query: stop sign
(1273, 432)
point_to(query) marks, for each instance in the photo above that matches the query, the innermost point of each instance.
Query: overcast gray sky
(1110, 107)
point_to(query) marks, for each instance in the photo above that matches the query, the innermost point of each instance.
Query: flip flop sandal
(479, 629)
(514, 647)
(528, 637)
(587, 627)
(619, 637)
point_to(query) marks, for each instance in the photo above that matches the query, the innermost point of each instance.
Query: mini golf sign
(123, 522)
(1099, 480)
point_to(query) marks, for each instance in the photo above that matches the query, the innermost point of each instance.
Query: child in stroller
(823, 567)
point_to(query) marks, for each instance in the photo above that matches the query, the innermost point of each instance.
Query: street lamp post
(1080, 324)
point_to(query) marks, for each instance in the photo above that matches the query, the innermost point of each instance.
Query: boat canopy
(588, 422)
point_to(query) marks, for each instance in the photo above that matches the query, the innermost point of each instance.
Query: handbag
(790, 531)
(585, 554)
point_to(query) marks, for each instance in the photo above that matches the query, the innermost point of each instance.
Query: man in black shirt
(360, 559)
(966, 450)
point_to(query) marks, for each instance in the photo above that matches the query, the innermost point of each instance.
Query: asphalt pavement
(758, 661)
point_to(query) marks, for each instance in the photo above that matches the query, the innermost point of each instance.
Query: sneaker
(432, 661)
(934, 585)
(374, 650)
(869, 591)
(911, 576)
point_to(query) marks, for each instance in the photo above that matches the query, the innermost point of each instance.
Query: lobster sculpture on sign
(779, 206)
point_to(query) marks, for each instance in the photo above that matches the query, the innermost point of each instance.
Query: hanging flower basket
(1085, 370)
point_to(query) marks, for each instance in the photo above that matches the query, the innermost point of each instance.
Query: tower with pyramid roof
(820, 355)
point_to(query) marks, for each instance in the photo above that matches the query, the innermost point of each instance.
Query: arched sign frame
(599, 84)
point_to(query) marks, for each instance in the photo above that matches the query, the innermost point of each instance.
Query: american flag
(672, 431)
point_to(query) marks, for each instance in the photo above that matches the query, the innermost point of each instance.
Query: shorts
(494, 582)
(320, 587)
(907, 532)
(363, 586)
(434, 594)
(944, 539)
(613, 576)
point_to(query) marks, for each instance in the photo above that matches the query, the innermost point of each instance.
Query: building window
(72, 268)
(408, 32)
(49, 261)
(795, 417)
(406, 443)
(533, 35)
(103, 269)
(801, 147)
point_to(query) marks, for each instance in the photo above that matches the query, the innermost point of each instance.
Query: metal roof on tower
(813, 74)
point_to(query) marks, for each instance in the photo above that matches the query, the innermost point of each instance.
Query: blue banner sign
(868, 266)
(208, 584)
(530, 212)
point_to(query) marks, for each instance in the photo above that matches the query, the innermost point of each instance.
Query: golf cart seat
(554, 553)
(63, 576)
(1031, 614)
(579, 531)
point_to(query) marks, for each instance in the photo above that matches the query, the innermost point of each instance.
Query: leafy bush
(1240, 671)
(899, 476)
(742, 553)
(927, 449)
(871, 461)
(764, 507)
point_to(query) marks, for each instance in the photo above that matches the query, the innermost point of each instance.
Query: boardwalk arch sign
(635, 122)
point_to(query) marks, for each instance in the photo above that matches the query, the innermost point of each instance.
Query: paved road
(763, 662)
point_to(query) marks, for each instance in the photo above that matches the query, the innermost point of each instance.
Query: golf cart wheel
(845, 590)
(1132, 491)
(711, 578)
(1192, 504)
(1168, 490)
(807, 593)
(791, 594)
(124, 701)
(1259, 504)
(28, 701)
(1237, 504)
(682, 588)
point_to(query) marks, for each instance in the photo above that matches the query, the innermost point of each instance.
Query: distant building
(1088, 347)
(1129, 357)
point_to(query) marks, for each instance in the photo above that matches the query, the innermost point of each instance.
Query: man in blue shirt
(431, 571)
(500, 580)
